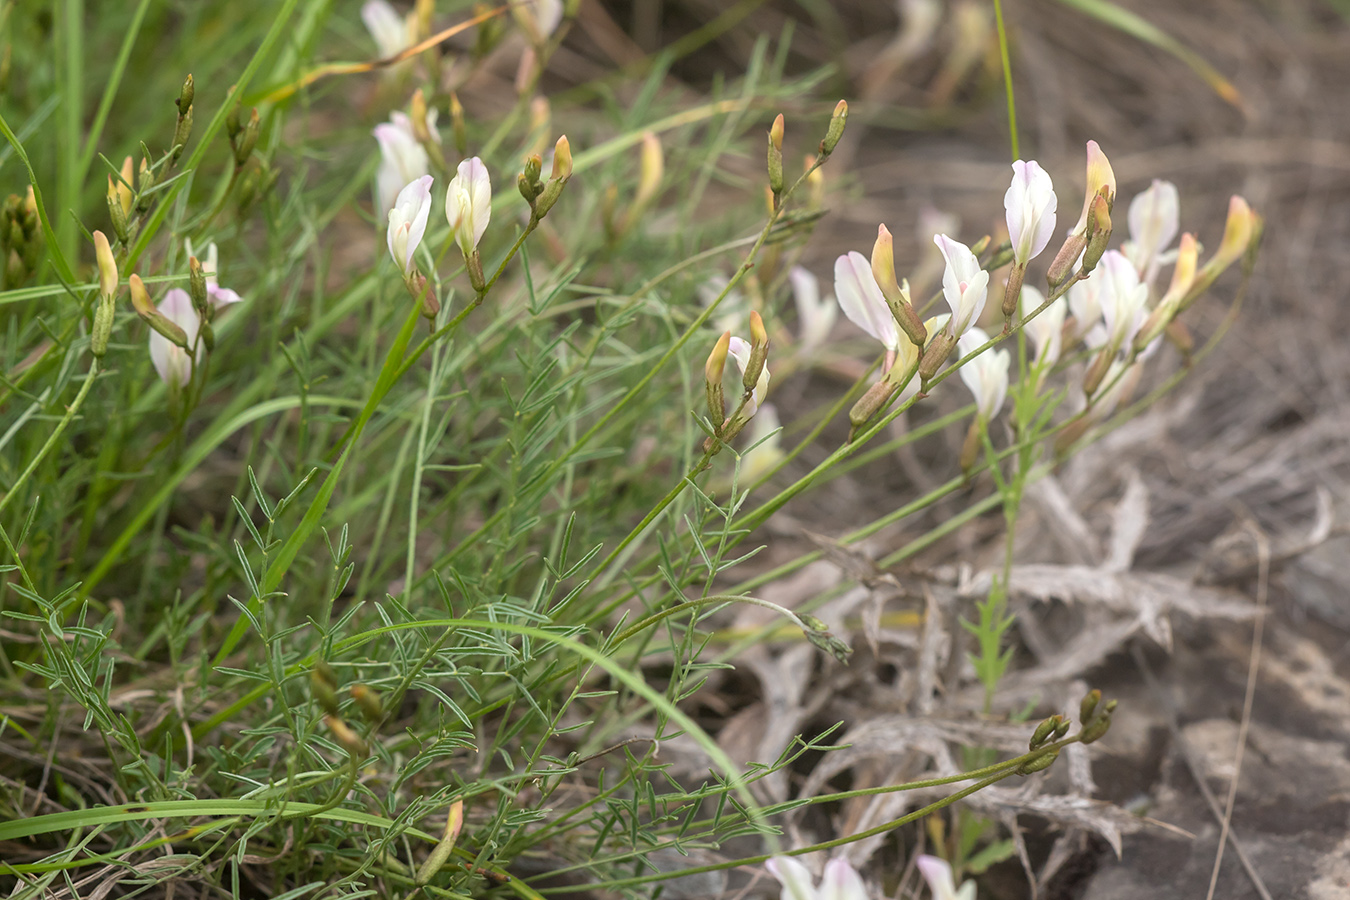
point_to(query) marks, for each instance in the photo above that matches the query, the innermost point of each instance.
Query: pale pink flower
(815, 317)
(171, 361)
(987, 374)
(964, 284)
(938, 874)
(408, 221)
(468, 203)
(1123, 298)
(1046, 330)
(1154, 220)
(840, 881)
(860, 297)
(402, 158)
(392, 32)
(1029, 205)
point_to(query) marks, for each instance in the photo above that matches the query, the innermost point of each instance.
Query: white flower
(964, 284)
(402, 158)
(1085, 302)
(938, 874)
(1123, 297)
(734, 307)
(765, 442)
(218, 295)
(740, 351)
(170, 360)
(408, 221)
(539, 18)
(1030, 207)
(987, 374)
(468, 203)
(860, 298)
(1046, 330)
(1154, 221)
(840, 881)
(387, 27)
(815, 317)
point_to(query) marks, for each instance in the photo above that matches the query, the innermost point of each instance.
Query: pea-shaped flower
(408, 222)
(938, 874)
(839, 882)
(468, 204)
(987, 374)
(740, 351)
(1154, 220)
(965, 285)
(1029, 205)
(815, 315)
(861, 299)
(172, 362)
(392, 33)
(402, 158)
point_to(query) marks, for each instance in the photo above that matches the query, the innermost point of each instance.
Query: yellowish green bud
(348, 739)
(368, 702)
(836, 129)
(440, 855)
(107, 266)
(776, 155)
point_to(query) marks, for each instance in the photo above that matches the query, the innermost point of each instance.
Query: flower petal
(861, 300)
(794, 877)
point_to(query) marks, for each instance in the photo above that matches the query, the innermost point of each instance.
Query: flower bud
(116, 213)
(836, 128)
(323, 692)
(1183, 275)
(1238, 234)
(197, 285)
(872, 402)
(1088, 707)
(776, 155)
(1038, 764)
(124, 192)
(651, 169)
(348, 739)
(712, 378)
(107, 266)
(457, 127)
(185, 95)
(181, 133)
(440, 855)
(527, 182)
(1043, 731)
(1099, 232)
(759, 352)
(246, 138)
(140, 297)
(883, 270)
(562, 159)
(418, 116)
(1062, 265)
(368, 702)
(145, 180)
(166, 327)
(939, 348)
(1101, 181)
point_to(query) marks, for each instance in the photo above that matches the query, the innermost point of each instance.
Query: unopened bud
(323, 693)
(1099, 232)
(418, 116)
(1012, 293)
(529, 184)
(712, 378)
(1038, 764)
(836, 128)
(818, 633)
(562, 159)
(970, 447)
(107, 266)
(651, 169)
(1238, 232)
(124, 192)
(1088, 707)
(883, 270)
(934, 355)
(759, 353)
(368, 702)
(549, 196)
(440, 855)
(1097, 371)
(872, 402)
(348, 739)
(1062, 265)
(181, 133)
(197, 285)
(140, 301)
(457, 125)
(1183, 276)
(776, 155)
(1043, 732)
(185, 95)
(247, 138)
(116, 213)
(145, 180)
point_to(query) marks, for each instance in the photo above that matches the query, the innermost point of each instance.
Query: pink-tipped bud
(883, 270)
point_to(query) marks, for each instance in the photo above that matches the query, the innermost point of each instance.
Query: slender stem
(54, 437)
(1007, 78)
